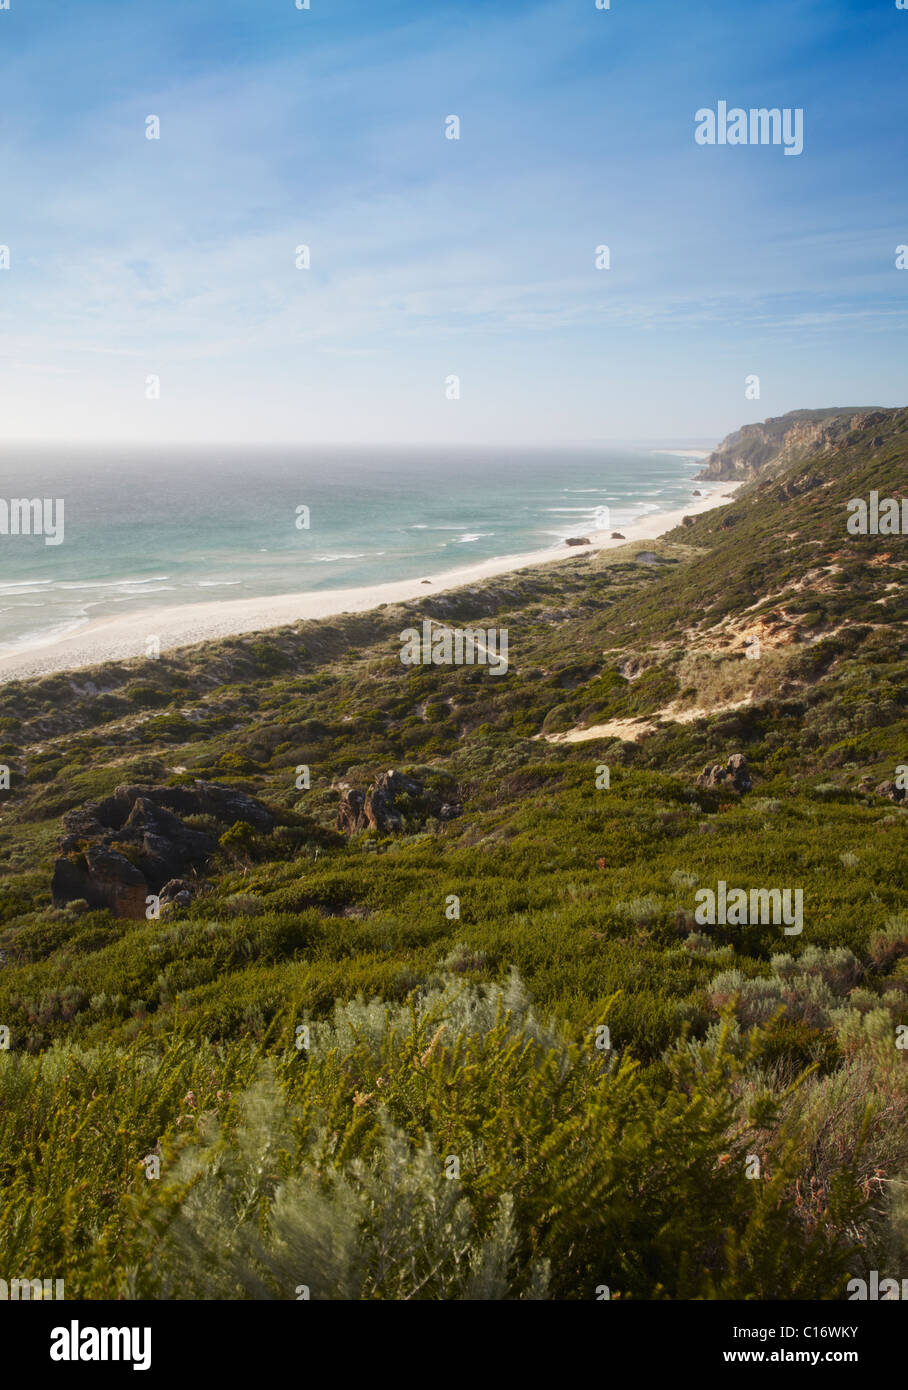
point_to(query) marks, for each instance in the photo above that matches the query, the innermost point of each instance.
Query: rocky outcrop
(350, 814)
(392, 799)
(201, 799)
(118, 851)
(734, 776)
(890, 790)
(380, 809)
(796, 487)
(103, 877)
(179, 892)
(577, 540)
(163, 844)
(768, 446)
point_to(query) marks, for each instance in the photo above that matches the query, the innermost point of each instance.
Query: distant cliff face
(761, 450)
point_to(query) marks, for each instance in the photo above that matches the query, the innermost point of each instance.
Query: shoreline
(185, 625)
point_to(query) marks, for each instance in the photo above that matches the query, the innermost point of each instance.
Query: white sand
(121, 638)
(633, 730)
(628, 730)
(684, 453)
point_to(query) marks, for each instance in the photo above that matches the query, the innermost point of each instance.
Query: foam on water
(154, 526)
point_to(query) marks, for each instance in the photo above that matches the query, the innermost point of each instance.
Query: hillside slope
(499, 864)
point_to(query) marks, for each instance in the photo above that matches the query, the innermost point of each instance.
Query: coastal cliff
(765, 448)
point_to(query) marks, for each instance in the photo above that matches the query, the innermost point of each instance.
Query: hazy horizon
(385, 445)
(704, 440)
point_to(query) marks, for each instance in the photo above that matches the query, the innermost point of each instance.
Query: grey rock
(378, 808)
(104, 878)
(145, 824)
(734, 776)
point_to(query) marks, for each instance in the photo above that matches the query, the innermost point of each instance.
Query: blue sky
(432, 257)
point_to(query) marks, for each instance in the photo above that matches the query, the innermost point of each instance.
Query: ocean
(151, 527)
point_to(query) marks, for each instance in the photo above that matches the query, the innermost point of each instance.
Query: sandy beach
(122, 638)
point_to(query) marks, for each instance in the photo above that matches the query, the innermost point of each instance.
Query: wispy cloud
(132, 256)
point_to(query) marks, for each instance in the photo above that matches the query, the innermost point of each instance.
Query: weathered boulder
(380, 810)
(82, 824)
(350, 817)
(201, 799)
(164, 843)
(179, 892)
(577, 540)
(104, 878)
(380, 807)
(734, 776)
(134, 843)
(890, 790)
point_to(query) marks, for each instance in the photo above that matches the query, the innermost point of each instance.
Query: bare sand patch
(630, 730)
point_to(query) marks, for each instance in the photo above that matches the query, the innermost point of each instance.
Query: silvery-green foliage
(838, 967)
(809, 987)
(461, 1007)
(725, 1037)
(871, 1034)
(640, 910)
(241, 1224)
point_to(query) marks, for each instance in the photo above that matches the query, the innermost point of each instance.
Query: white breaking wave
(330, 559)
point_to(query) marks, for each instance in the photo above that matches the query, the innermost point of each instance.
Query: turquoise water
(156, 527)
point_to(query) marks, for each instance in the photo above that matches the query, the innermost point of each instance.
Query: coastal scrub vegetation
(309, 1078)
